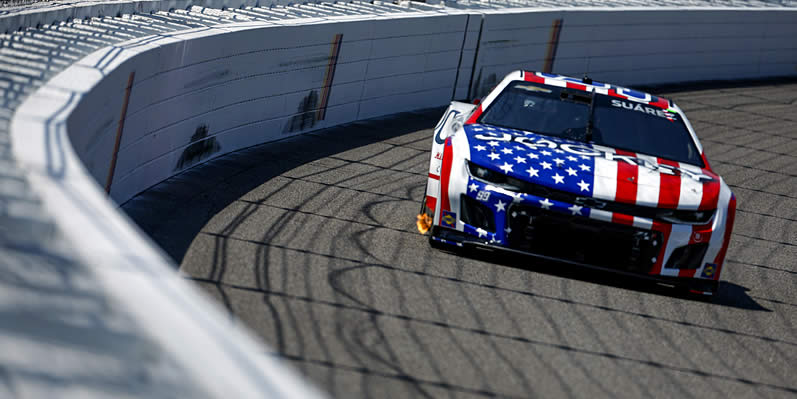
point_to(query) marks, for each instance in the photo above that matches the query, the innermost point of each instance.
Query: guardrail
(137, 112)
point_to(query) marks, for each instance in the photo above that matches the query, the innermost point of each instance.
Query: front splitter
(462, 240)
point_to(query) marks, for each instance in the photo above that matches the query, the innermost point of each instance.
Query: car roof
(579, 84)
(588, 85)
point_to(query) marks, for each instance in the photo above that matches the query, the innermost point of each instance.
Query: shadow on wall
(201, 147)
(482, 88)
(306, 115)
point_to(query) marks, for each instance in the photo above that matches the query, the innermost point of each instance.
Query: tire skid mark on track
(350, 188)
(761, 191)
(529, 294)
(777, 172)
(420, 142)
(766, 214)
(764, 239)
(299, 211)
(403, 377)
(423, 175)
(709, 140)
(762, 266)
(520, 339)
(603, 346)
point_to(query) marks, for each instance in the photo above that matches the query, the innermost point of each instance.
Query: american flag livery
(577, 181)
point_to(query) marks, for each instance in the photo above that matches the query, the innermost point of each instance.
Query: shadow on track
(237, 173)
(730, 294)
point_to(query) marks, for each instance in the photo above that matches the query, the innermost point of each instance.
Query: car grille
(610, 206)
(580, 239)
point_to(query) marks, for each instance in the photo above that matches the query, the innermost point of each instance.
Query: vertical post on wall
(553, 44)
(459, 63)
(119, 129)
(471, 89)
(329, 76)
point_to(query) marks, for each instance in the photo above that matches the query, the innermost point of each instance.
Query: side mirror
(476, 101)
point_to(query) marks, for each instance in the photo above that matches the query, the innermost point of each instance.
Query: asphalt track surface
(311, 242)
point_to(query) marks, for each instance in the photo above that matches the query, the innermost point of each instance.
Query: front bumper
(492, 217)
(582, 240)
(458, 239)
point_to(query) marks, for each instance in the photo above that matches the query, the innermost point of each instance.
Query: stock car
(579, 172)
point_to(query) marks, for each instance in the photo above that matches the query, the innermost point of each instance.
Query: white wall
(642, 46)
(246, 84)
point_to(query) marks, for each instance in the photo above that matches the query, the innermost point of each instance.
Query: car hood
(591, 171)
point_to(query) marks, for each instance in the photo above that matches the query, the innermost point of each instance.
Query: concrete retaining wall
(199, 94)
(641, 46)
(203, 93)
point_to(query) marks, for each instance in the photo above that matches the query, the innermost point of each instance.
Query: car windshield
(617, 123)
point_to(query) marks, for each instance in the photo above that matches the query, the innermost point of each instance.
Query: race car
(579, 172)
